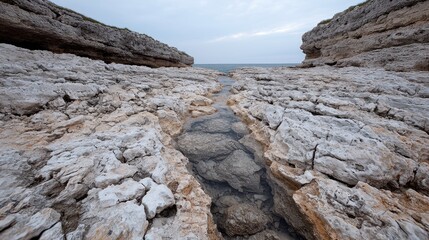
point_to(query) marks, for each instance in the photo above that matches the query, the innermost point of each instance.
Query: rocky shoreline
(377, 33)
(86, 149)
(41, 24)
(347, 148)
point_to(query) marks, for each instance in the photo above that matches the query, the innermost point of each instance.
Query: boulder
(205, 146)
(244, 219)
(240, 171)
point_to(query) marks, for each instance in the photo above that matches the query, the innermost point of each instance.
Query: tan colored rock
(339, 212)
(44, 25)
(377, 33)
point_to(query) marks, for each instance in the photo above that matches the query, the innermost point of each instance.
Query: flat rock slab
(43, 25)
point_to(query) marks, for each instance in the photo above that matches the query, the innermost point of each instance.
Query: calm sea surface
(228, 67)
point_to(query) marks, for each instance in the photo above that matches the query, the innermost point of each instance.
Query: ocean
(228, 67)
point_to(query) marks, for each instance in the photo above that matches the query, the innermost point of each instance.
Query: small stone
(158, 198)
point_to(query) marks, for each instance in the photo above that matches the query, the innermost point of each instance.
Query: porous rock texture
(85, 149)
(347, 148)
(376, 33)
(40, 24)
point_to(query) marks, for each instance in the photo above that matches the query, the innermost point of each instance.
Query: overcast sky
(219, 31)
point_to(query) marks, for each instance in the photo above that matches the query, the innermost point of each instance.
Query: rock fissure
(230, 166)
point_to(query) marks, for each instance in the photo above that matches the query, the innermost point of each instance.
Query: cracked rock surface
(347, 148)
(84, 149)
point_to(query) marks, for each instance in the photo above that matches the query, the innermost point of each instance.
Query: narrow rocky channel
(229, 164)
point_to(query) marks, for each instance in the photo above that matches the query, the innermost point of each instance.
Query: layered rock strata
(85, 149)
(347, 148)
(381, 33)
(40, 24)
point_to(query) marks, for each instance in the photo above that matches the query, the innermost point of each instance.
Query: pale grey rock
(33, 226)
(244, 219)
(126, 191)
(357, 131)
(127, 220)
(7, 222)
(98, 129)
(54, 233)
(115, 175)
(147, 183)
(158, 198)
(77, 234)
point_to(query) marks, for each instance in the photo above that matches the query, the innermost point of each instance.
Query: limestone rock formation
(83, 151)
(40, 24)
(347, 148)
(380, 33)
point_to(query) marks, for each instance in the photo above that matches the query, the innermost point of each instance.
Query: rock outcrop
(347, 148)
(376, 33)
(40, 24)
(84, 152)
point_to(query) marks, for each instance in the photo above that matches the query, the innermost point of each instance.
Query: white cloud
(289, 28)
(218, 30)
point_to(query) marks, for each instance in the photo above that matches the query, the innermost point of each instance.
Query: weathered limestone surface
(347, 148)
(381, 33)
(84, 154)
(40, 24)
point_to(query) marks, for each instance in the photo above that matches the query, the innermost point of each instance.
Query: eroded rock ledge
(377, 33)
(347, 148)
(85, 149)
(40, 24)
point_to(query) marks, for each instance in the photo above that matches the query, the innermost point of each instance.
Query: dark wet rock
(244, 219)
(40, 24)
(240, 128)
(240, 171)
(216, 125)
(203, 146)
